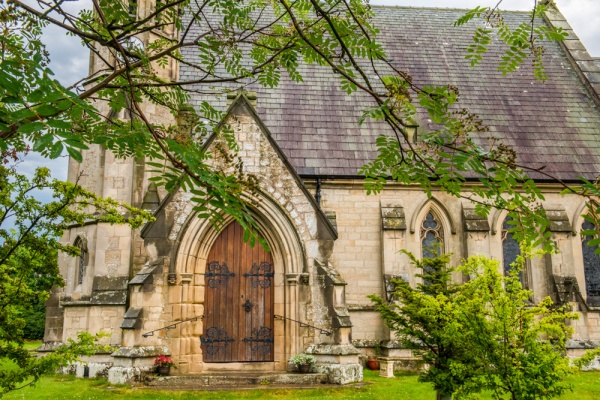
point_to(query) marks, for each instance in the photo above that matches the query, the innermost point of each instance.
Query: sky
(70, 60)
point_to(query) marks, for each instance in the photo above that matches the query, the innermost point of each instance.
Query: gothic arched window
(591, 262)
(80, 259)
(510, 249)
(432, 236)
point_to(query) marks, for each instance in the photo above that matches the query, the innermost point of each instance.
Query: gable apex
(242, 105)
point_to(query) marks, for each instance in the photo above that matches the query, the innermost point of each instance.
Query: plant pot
(304, 368)
(373, 364)
(163, 370)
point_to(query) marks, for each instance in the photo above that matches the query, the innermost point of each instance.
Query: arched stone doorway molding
(187, 296)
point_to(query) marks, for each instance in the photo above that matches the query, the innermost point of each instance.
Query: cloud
(584, 18)
(582, 15)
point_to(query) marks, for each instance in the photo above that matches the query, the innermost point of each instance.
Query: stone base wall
(94, 319)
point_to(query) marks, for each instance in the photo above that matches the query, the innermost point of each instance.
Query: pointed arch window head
(79, 243)
(591, 262)
(432, 235)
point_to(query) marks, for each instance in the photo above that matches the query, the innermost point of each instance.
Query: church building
(180, 286)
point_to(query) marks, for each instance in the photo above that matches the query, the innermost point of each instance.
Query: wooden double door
(238, 300)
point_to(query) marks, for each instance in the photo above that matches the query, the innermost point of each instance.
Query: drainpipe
(318, 194)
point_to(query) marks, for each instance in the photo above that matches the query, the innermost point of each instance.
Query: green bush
(35, 318)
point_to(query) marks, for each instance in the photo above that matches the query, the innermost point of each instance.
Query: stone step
(230, 380)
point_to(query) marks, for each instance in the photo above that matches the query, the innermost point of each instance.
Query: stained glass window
(591, 263)
(81, 260)
(432, 236)
(510, 249)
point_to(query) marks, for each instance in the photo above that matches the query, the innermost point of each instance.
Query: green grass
(32, 344)
(405, 387)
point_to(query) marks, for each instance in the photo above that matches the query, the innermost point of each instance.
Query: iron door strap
(215, 339)
(217, 274)
(261, 340)
(260, 274)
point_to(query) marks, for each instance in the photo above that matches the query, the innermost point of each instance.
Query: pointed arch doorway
(238, 301)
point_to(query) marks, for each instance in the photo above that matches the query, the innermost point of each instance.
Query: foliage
(484, 334)
(301, 358)
(240, 42)
(30, 232)
(29, 369)
(35, 319)
(164, 361)
(234, 46)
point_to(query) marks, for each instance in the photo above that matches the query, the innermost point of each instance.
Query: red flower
(162, 360)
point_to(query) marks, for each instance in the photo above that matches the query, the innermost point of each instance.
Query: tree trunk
(443, 396)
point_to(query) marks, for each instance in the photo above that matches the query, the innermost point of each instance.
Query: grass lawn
(405, 387)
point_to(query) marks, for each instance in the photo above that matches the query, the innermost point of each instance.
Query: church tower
(94, 298)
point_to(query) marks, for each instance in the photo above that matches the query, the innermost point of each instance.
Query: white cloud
(583, 15)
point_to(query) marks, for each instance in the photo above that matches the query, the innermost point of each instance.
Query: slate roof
(556, 123)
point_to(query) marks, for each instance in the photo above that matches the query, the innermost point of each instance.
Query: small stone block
(386, 368)
(393, 218)
(133, 312)
(128, 323)
(473, 222)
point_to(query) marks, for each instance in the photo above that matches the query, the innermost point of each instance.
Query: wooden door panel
(238, 317)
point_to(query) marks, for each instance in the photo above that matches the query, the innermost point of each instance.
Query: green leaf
(43, 142)
(56, 150)
(75, 154)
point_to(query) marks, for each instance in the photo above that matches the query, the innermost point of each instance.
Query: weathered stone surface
(151, 198)
(332, 349)
(235, 379)
(144, 276)
(95, 369)
(393, 218)
(125, 375)
(559, 220)
(473, 222)
(341, 374)
(49, 346)
(132, 319)
(109, 297)
(141, 352)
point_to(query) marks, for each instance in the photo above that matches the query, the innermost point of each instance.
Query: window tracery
(510, 249)
(432, 235)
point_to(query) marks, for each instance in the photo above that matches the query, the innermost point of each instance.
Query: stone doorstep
(235, 380)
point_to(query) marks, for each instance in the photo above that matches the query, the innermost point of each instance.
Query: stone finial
(251, 96)
(549, 3)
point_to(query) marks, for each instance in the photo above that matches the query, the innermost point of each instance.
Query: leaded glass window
(510, 249)
(432, 236)
(80, 260)
(591, 263)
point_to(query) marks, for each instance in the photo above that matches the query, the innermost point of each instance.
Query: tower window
(80, 260)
